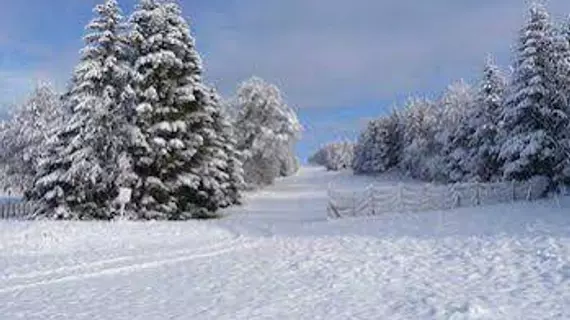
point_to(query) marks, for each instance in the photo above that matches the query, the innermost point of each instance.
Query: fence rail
(375, 200)
(16, 210)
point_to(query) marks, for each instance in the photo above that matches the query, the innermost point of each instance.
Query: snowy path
(278, 258)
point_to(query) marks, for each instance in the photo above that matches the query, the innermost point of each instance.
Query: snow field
(279, 258)
(45, 251)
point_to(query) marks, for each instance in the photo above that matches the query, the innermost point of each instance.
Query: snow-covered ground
(278, 257)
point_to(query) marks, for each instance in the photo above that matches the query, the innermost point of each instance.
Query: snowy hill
(277, 257)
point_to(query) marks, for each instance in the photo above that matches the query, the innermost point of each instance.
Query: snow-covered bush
(334, 156)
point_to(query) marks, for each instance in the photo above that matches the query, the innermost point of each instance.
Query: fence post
(354, 204)
(529, 193)
(329, 201)
(332, 211)
(477, 194)
(514, 190)
(456, 197)
(401, 197)
(372, 202)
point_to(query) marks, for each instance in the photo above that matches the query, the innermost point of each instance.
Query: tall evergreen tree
(483, 125)
(221, 173)
(530, 146)
(562, 75)
(76, 178)
(174, 121)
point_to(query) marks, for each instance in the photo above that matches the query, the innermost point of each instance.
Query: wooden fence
(16, 210)
(375, 200)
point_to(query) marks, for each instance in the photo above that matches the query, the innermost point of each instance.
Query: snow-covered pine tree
(561, 70)
(76, 177)
(23, 139)
(234, 168)
(483, 125)
(266, 129)
(221, 173)
(453, 134)
(529, 148)
(175, 121)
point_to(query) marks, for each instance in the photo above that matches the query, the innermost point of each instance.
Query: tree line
(334, 156)
(509, 127)
(138, 116)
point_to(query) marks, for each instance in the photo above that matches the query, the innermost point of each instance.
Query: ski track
(108, 265)
(159, 260)
(278, 257)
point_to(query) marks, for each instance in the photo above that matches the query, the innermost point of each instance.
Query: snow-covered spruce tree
(482, 125)
(221, 172)
(235, 157)
(178, 157)
(530, 115)
(562, 99)
(76, 176)
(453, 134)
(23, 139)
(266, 130)
(334, 156)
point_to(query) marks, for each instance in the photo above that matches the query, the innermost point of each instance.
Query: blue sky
(338, 62)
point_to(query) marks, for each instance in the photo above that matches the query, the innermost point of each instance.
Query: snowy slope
(278, 258)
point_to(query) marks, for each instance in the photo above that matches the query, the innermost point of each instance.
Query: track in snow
(116, 266)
